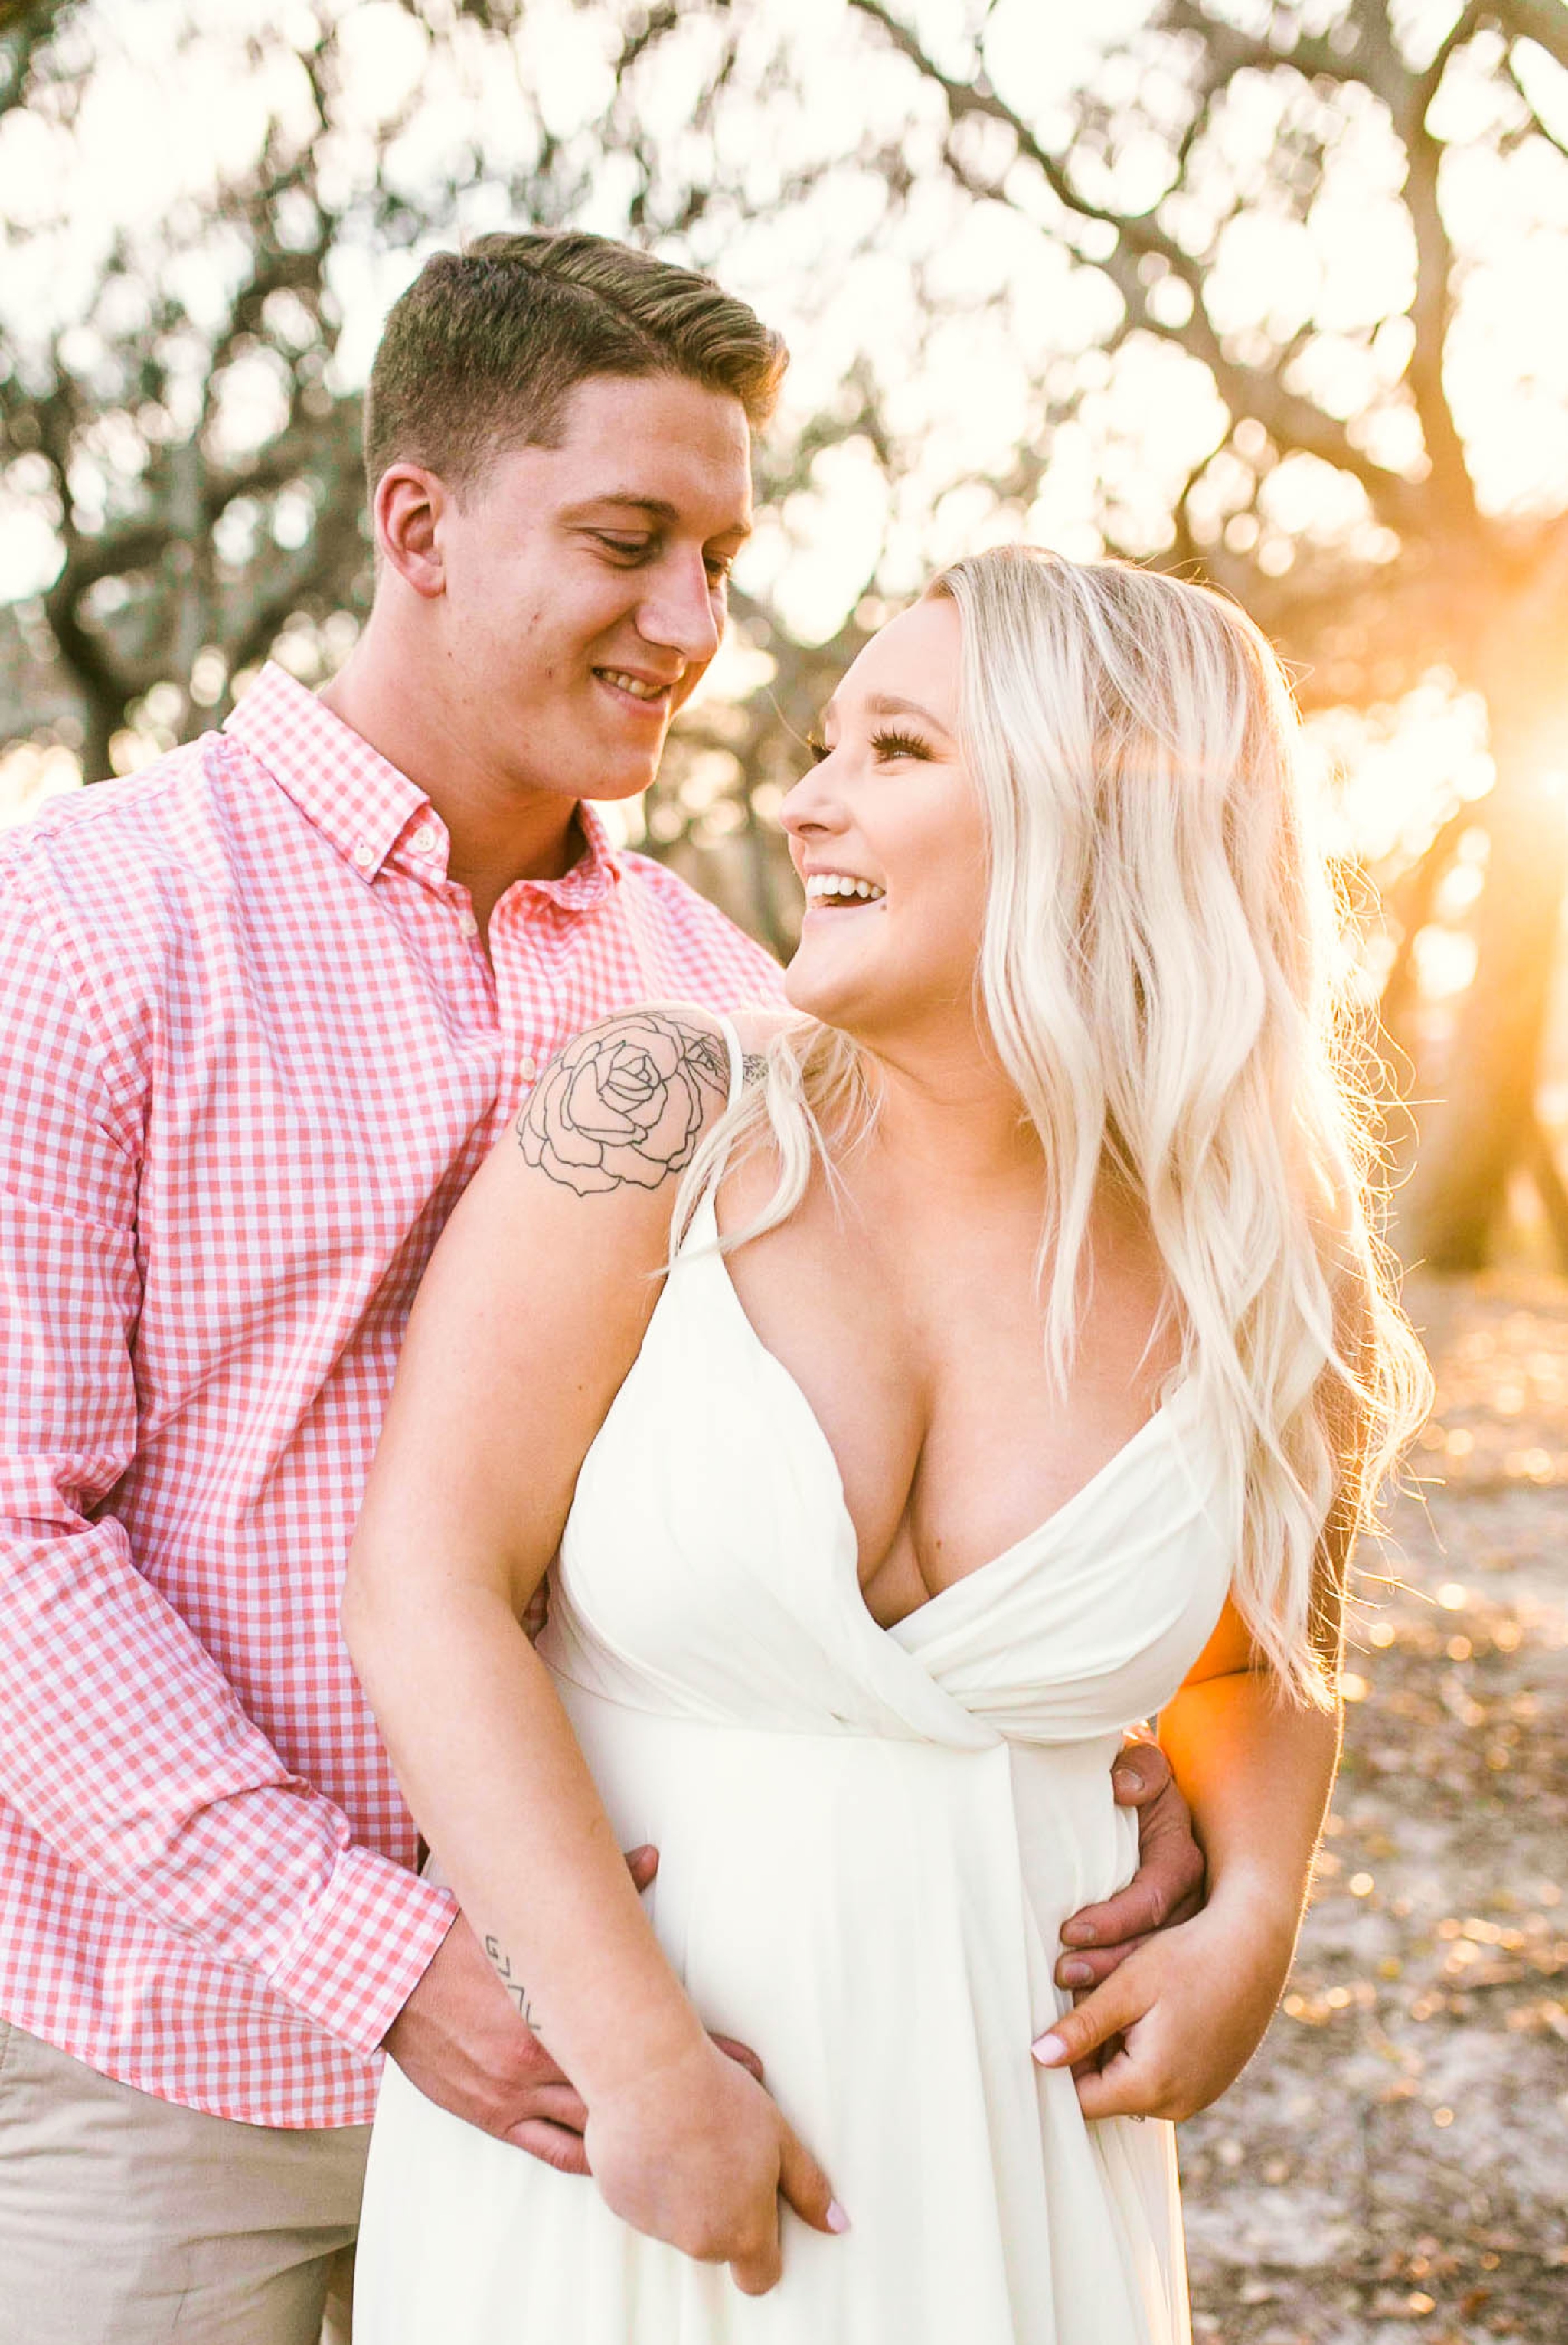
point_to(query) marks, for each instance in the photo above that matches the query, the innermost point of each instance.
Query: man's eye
(628, 549)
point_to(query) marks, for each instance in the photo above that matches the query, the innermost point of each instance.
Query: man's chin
(612, 788)
(622, 769)
(610, 778)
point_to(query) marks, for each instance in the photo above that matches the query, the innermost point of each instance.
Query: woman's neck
(951, 1119)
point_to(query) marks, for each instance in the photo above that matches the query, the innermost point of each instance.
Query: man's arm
(122, 1744)
(1168, 1885)
(1192, 2005)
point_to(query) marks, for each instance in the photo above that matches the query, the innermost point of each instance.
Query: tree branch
(1291, 421)
(1410, 905)
(1409, 99)
(1236, 51)
(26, 28)
(1544, 22)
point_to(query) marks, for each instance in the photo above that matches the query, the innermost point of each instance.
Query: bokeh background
(1272, 295)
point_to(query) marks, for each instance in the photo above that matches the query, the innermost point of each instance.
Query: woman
(1023, 1366)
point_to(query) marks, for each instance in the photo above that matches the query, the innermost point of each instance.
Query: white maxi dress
(869, 1841)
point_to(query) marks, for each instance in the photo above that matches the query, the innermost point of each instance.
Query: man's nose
(680, 610)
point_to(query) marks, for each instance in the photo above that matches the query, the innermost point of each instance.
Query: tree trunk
(1480, 1125)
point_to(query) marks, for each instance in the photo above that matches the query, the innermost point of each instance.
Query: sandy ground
(1394, 2163)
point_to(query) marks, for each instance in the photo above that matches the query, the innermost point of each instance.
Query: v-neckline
(707, 1214)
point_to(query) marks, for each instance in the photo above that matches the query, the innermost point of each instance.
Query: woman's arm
(531, 1312)
(1192, 2006)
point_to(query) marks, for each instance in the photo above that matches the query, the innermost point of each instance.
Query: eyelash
(886, 745)
(899, 745)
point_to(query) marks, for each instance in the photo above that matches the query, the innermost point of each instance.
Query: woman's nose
(812, 806)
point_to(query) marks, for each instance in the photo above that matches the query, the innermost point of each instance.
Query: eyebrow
(657, 509)
(883, 704)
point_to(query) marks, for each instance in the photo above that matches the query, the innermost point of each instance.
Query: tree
(182, 427)
(1349, 496)
(180, 422)
(1250, 290)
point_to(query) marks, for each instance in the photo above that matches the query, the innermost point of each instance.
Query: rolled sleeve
(369, 1940)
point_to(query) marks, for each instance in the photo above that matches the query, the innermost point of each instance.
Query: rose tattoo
(624, 1103)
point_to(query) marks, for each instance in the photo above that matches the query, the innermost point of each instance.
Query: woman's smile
(839, 890)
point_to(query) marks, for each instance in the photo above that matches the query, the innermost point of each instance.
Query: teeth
(634, 684)
(838, 883)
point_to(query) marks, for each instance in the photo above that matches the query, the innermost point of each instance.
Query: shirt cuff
(370, 1938)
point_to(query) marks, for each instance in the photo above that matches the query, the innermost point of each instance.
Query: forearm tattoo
(626, 1103)
(501, 1963)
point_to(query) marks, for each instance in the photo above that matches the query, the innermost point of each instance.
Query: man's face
(584, 585)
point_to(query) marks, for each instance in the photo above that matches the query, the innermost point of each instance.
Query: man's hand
(1181, 2017)
(1167, 1886)
(460, 2040)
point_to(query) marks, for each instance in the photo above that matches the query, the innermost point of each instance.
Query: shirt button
(364, 854)
(527, 1068)
(426, 839)
(468, 924)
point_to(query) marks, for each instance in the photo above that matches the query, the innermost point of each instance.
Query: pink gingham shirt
(251, 1051)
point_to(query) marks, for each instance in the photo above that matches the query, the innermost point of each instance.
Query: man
(270, 1003)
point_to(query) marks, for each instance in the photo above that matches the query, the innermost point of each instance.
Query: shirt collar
(358, 800)
(355, 797)
(595, 872)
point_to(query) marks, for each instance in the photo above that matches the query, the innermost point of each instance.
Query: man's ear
(408, 509)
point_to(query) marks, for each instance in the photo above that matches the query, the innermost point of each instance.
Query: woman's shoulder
(759, 1026)
(628, 1100)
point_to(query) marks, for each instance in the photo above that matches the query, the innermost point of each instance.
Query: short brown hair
(483, 349)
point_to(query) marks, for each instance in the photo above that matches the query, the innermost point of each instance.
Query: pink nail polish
(837, 2219)
(1049, 2050)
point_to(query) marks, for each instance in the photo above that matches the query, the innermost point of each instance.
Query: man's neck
(499, 832)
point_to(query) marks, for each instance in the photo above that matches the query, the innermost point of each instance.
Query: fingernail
(1049, 2050)
(837, 2219)
(1131, 1776)
(1075, 1973)
(1078, 1934)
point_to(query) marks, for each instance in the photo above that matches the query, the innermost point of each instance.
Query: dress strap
(737, 1060)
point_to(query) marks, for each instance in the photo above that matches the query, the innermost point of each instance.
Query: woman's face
(890, 812)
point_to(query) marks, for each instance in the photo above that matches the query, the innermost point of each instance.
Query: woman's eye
(818, 749)
(898, 744)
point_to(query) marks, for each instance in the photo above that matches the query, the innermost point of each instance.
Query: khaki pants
(126, 2220)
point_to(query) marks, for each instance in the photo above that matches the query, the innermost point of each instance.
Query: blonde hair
(1162, 975)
